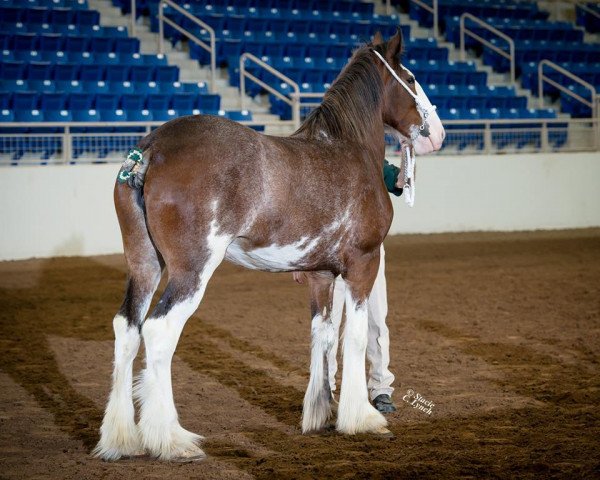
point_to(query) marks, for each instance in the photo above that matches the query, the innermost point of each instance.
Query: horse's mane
(349, 107)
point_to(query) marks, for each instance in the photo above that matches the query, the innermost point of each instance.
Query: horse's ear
(394, 47)
(377, 38)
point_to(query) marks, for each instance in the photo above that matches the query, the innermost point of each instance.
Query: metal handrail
(209, 48)
(583, 6)
(434, 10)
(156, 123)
(294, 102)
(593, 104)
(511, 43)
(133, 14)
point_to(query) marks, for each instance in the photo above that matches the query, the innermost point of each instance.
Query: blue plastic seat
(25, 101)
(117, 73)
(86, 17)
(158, 103)
(76, 44)
(62, 16)
(53, 101)
(101, 45)
(139, 116)
(113, 115)
(13, 85)
(80, 102)
(142, 73)
(28, 116)
(208, 102)
(122, 88)
(12, 70)
(166, 73)
(126, 45)
(133, 102)
(109, 58)
(92, 73)
(171, 87)
(89, 115)
(106, 102)
(69, 86)
(239, 115)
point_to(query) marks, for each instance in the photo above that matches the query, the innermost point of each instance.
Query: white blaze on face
(433, 142)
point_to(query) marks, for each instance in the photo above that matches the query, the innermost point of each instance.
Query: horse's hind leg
(317, 400)
(119, 433)
(355, 413)
(161, 434)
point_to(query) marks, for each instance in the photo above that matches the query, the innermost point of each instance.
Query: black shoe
(384, 403)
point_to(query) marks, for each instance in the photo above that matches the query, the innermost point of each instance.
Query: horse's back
(279, 197)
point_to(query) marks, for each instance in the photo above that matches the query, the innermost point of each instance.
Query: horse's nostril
(424, 130)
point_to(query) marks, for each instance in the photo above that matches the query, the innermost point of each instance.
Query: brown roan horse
(314, 202)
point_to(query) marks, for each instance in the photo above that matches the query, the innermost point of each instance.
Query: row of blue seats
(335, 64)
(80, 30)
(587, 19)
(83, 58)
(107, 101)
(480, 103)
(289, 13)
(451, 90)
(494, 113)
(481, 10)
(93, 115)
(118, 115)
(57, 42)
(360, 12)
(319, 81)
(574, 107)
(69, 71)
(514, 32)
(74, 4)
(530, 80)
(235, 27)
(557, 53)
(60, 16)
(120, 88)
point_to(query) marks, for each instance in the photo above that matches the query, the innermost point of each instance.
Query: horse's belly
(272, 258)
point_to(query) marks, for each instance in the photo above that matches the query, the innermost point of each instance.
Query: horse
(210, 189)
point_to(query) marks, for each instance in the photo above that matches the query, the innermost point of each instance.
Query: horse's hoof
(384, 433)
(135, 455)
(189, 456)
(384, 403)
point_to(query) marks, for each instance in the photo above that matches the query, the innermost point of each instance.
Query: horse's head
(406, 108)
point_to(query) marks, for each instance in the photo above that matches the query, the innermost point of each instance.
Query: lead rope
(408, 163)
(408, 153)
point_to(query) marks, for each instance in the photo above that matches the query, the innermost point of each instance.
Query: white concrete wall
(502, 193)
(68, 210)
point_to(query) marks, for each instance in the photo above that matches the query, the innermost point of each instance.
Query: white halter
(408, 153)
(423, 111)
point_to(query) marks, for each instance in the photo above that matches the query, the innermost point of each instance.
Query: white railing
(210, 48)
(62, 145)
(294, 100)
(465, 31)
(587, 9)
(434, 10)
(592, 104)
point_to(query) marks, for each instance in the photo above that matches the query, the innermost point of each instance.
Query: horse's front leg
(355, 413)
(317, 400)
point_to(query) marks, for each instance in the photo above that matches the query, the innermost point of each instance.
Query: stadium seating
(535, 39)
(59, 65)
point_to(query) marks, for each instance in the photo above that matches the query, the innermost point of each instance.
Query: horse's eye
(411, 80)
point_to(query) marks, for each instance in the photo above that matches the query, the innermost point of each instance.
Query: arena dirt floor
(500, 331)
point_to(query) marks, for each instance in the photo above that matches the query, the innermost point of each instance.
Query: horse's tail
(143, 258)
